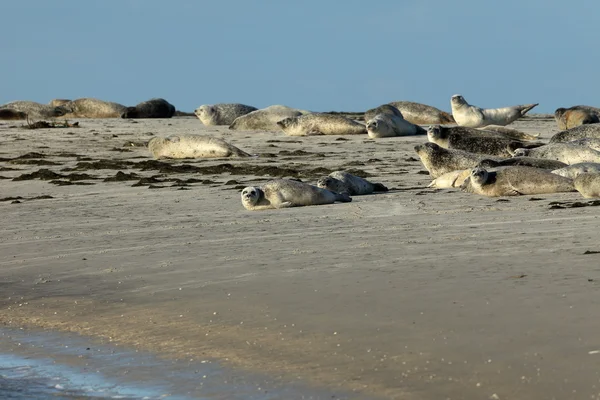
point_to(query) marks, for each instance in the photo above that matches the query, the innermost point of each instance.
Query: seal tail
(421, 130)
(343, 197)
(527, 107)
(378, 187)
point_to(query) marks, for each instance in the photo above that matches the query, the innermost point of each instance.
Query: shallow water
(48, 365)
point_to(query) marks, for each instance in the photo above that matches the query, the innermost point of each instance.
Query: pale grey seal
(588, 184)
(389, 125)
(382, 109)
(283, 193)
(320, 124)
(573, 171)
(192, 146)
(222, 113)
(422, 114)
(439, 161)
(264, 119)
(471, 116)
(452, 179)
(153, 108)
(33, 110)
(563, 152)
(344, 182)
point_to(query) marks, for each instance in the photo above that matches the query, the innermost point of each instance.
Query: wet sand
(417, 293)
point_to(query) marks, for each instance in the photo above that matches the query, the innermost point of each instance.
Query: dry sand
(413, 294)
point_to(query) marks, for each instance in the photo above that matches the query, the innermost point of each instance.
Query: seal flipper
(343, 197)
(378, 187)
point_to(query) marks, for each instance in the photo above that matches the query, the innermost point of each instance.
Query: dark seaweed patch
(33, 162)
(554, 205)
(101, 164)
(46, 175)
(122, 176)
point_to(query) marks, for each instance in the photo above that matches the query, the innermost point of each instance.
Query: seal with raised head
(192, 146)
(93, 108)
(264, 119)
(153, 108)
(422, 114)
(563, 152)
(320, 124)
(439, 161)
(591, 131)
(283, 193)
(515, 181)
(471, 116)
(222, 113)
(33, 110)
(344, 182)
(573, 171)
(58, 102)
(382, 109)
(572, 117)
(479, 142)
(588, 184)
(542, 163)
(388, 125)
(452, 179)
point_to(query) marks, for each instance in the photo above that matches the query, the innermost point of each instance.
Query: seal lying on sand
(573, 171)
(388, 125)
(508, 132)
(222, 113)
(422, 114)
(320, 124)
(542, 163)
(451, 179)
(283, 193)
(588, 185)
(7, 114)
(479, 142)
(591, 131)
(439, 161)
(93, 108)
(264, 119)
(564, 152)
(476, 117)
(153, 108)
(192, 146)
(33, 110)
(514, 181)
(442, 132)
(382, 109)
(572, 117)
(343, 182)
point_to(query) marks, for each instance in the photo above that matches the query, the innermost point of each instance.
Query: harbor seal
(592, 143)
(573, 171)
(442, 132)
(7, 114)
(563, 152)
(580, 132)
(34, 110)
(509, 132)
(264, 119)
(153, 108)
(58, 102)
(422, 114)
(344, 182)
(382, 109)
(320, 124)
(542, 163)
(588, 184)
(479, 142)
(388, 125)
(93, 108)
(283, 193)
(568, 118)
(222, 113)
(515, 181)
(452, 179)
(192, 146)
(439, 161)
(471, 116)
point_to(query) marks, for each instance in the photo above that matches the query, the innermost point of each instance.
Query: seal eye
(253, 193)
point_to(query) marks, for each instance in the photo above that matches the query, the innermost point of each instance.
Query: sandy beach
(417, 293)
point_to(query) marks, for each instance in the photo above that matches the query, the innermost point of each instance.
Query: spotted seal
(93, 108)
(320, 124)
(542, 163)
(264, 119)
(439, 161)
(344, 182)
(580, 132)
(563, 152)
(422, 114)
(222, 113)
(573, 171)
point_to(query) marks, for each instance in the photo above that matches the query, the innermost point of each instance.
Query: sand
(417, 293)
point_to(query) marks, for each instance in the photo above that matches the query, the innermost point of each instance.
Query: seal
(442, 132)
(7, 114)
(222, 113)
(542, 163)
(592, 143)
(422, 114)
(515, 181)
(573, 171)
(439, 161)
(264, 119)
(591, 131)
(344, 182)
(476, 117)
(588, 184)
(563, 152)
(388, 125)
(509, 132)
(479, 142)
(568, 118)
(192, 146)
(153, 108)
(93, 108)
(283, 193)
(58, 102)
(382, 109)
(33, 110)
(320, 124)
(453, 179)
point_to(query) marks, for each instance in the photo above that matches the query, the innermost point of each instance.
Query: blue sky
(316, 55)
